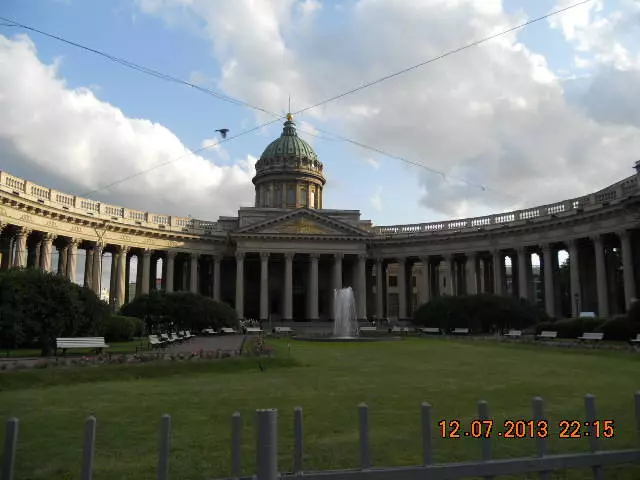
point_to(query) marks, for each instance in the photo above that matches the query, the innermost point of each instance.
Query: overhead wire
(238, 102)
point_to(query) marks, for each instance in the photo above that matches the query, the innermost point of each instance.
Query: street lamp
(576, 297)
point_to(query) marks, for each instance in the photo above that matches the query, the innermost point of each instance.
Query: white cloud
(376, 199)
(373, 162)
(50, 130)
(493, 114)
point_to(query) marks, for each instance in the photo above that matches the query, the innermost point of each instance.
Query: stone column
(361, 286)
(380, 273)
(240, 284)
(171, 269)
(627, 268)
(47, 244)
(574, 272)
(63, 253)
(193, 271)
(72, 259)
(425, 294)
(113, 279)
(601, 277)
(498, 272)
(471, 274)
(20, 257)
(121, 262)
(264, 286)
(337, 272)
(313, 286)
(96, 271)
(523, 273)
(549, 271)
(402, 288)
(288, 286)
(217, 290)
(88, 268)
(449, 276)
(146, 272)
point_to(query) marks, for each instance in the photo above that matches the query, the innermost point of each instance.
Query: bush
(164, 312)
(481, 313)
(571, 327)
(40, 305)
(119, 328)
(620, 328)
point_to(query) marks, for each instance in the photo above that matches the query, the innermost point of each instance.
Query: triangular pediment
(303, 222)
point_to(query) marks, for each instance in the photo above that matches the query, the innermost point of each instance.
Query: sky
(542, 114)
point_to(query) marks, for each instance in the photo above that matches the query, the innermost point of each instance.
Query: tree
(165, 312)
(40, 306)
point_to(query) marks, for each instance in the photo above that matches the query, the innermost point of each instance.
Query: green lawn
(329, 381)
(114, 347)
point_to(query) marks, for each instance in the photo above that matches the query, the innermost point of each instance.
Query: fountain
(345, 321)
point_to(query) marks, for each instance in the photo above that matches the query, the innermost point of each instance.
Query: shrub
(40, 305)
(620, 328)
(571, 327)
(163, 312)
(119, 328)
(481, 313)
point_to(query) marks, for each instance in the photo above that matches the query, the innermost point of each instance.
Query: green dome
(289, 145)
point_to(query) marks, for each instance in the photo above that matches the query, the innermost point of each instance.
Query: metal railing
(267, 449)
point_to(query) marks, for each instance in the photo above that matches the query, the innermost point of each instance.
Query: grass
(114, 347)
(328, 381)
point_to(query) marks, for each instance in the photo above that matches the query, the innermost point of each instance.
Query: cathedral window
(278, 194)
(303, 196)
(291, 196)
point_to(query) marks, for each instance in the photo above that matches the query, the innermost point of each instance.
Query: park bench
(174, 338)
(460, 331)
(253, 330)
(430, 330)
(591, 336)
(186, 335)
(209, 331)
(96, 343)
(227, 331)
(397, 329)
(155, 341)
(165, 338)
(282, 330)
(513, 334)
(368, 329)
(635, 342)
(547, 334)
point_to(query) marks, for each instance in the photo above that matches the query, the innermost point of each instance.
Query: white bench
(460, 331)
(155, 341)
(397, 329)
(174, 338)
(209, 331)
(96, 343)
(513, 334)
(591, 336)
(368, 329)
(251, 330)
(282, 330)
(431, 330)
(635, 342)
(546, 334)
(227, 331)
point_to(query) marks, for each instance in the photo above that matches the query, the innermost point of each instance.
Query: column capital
(596, 239)
(471, 255)
(264, 256)
(362, 256)
(194, 255)
(289, 255)
(171, 254)
(23, 231)
(623, 233)
(338, 256)
(122, 249)
(49, 237)
(74, 242)
(147, 252)
(314, 256)
(380, 260)
(521, 249)
(240, 255)
(217, 257)
(496, 251)
(546, 247)
(572, 242)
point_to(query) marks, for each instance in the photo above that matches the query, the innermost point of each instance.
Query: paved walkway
(208, 344)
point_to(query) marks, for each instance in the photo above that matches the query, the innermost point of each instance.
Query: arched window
(303, 196)
(312, 203)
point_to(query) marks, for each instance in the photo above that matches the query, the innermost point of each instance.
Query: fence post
(236, 444)
(425, 410)
(10, 443)
(590, 410)
(297, 439)
(541, 442)
(88, 448)
(163, 448)
(267, 444)
(485, 441)
(365, 451)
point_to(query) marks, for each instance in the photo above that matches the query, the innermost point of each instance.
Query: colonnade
(257, 277)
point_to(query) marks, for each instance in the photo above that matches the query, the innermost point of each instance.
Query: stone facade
(284, 263)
